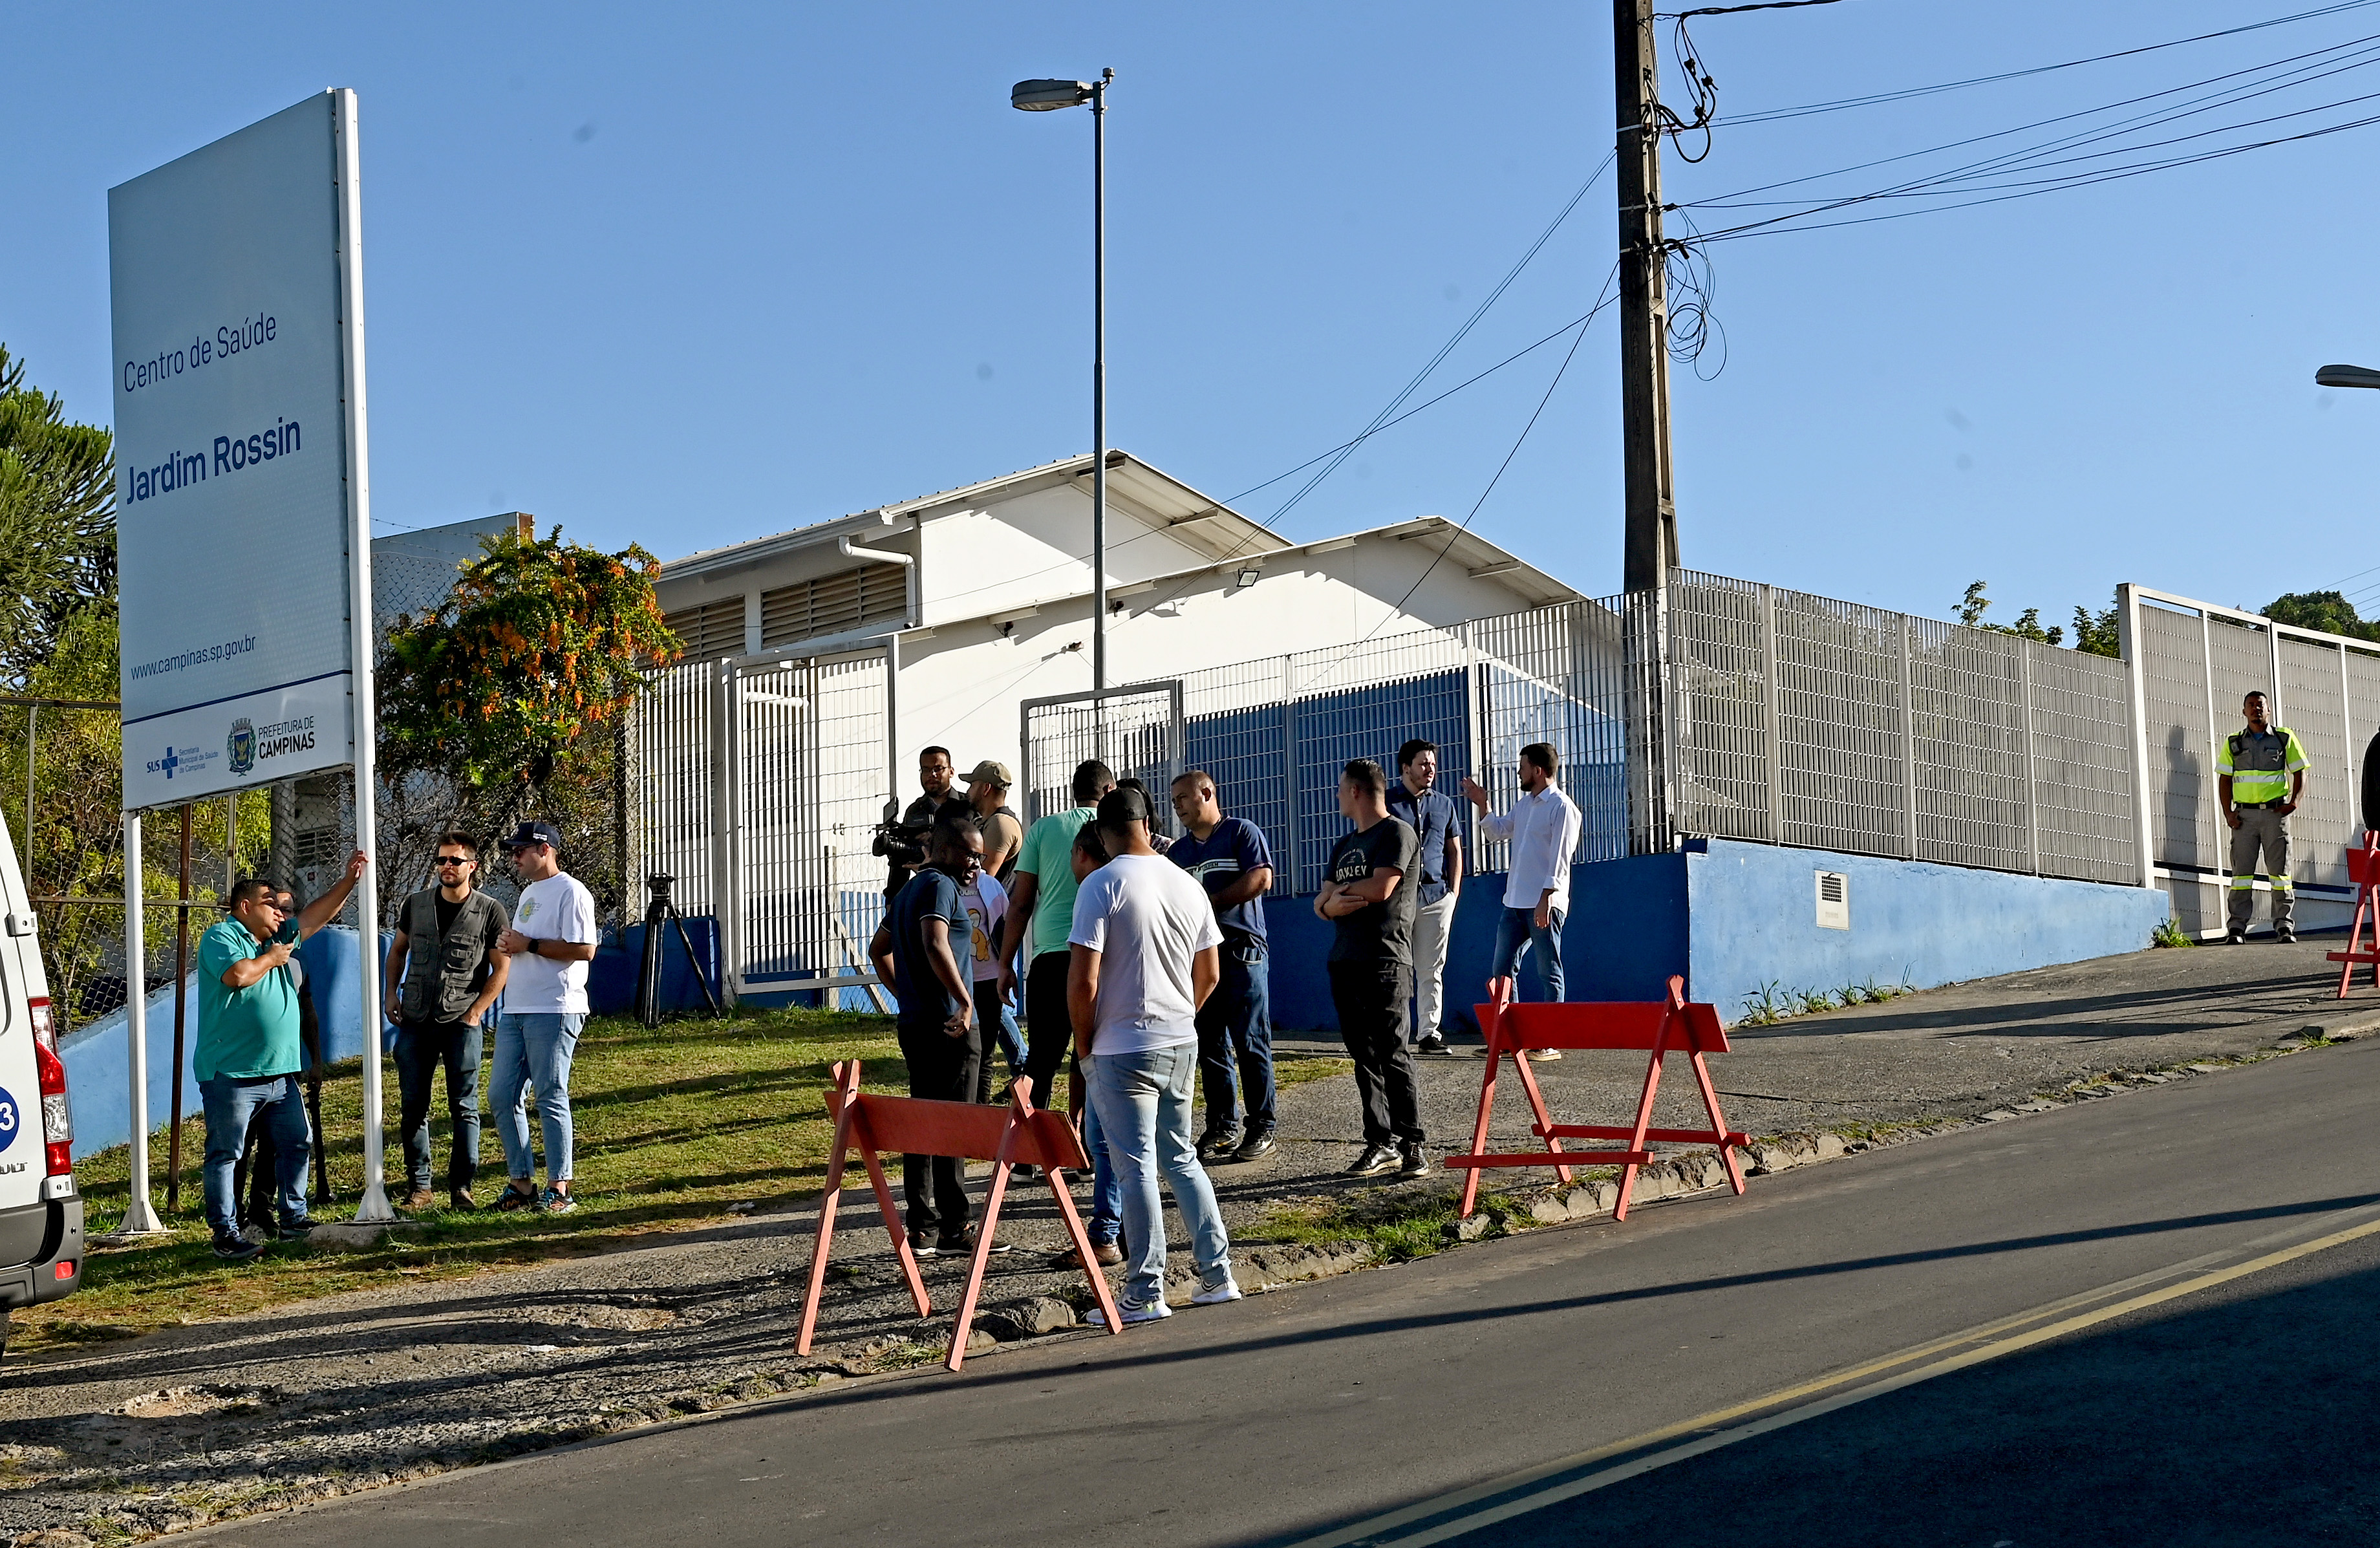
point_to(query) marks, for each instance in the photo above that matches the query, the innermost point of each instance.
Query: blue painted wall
(1732, 917)
(1625, 935)
(94, 1055)
(1753, 912)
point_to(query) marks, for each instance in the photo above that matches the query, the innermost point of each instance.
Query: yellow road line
(1989, 1340)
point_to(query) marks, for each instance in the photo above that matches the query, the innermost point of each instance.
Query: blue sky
(686, 275)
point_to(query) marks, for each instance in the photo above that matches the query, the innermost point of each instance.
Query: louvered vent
(832, 603)
(712, 630)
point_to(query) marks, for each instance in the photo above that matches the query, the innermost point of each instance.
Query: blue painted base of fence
(1733, 917)
(94, 1055)
(612, 977)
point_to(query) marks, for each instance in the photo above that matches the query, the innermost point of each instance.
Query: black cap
(533, 832)
(1121, 806)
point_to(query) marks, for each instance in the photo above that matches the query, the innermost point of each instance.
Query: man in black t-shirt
(921, 952)
(1374, 880)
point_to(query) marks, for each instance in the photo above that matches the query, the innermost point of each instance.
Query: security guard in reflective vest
(2260, 777)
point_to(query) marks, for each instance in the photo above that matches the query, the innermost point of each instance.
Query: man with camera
(904, 844)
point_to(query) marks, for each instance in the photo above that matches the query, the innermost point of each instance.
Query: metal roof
(1192, 518)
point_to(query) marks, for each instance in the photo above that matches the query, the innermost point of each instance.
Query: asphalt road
(2235, 1413)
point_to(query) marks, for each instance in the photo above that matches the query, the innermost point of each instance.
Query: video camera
(904, 843)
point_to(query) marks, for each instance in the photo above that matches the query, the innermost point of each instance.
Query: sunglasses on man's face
(445, 860)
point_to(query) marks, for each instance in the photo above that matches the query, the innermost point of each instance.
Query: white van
(41, 1213)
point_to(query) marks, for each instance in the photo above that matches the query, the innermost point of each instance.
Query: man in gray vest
(444, 973)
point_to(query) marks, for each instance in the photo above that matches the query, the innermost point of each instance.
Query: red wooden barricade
(1017, 1135)
(1661, 1027)
(2363, 869)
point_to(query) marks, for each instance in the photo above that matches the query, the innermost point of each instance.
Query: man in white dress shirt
(1543, 827)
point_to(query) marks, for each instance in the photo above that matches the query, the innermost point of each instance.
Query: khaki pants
(2261, 828)
(1433, 929)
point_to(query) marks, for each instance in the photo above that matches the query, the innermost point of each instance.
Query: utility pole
(1651, 544)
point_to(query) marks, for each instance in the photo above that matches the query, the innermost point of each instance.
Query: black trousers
(1048, 1023)
(941, 1068)
(1370, 998)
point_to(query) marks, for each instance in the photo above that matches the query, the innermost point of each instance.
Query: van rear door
(25, 1126)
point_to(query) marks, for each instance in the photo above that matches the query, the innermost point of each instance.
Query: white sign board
(239, 457)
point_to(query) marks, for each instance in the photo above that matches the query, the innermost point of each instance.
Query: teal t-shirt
(245, 1034)
(1048, 857)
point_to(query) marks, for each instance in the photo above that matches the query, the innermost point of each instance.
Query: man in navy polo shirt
(1431, 815)
(1230, 859)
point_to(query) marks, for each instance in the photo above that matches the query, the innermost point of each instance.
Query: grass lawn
(672, 1125)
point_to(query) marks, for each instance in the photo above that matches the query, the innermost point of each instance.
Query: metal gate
(1135, 730)
(2192, 662)
(759, 784)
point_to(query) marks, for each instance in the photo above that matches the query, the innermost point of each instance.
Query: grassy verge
(672, 1125)
(674, 1128)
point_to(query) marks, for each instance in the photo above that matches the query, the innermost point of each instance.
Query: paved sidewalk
(228, 1417)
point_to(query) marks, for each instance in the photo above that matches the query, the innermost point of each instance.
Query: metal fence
(1773, 716)
(2194, 662)
(1802, 720)
(757, 784)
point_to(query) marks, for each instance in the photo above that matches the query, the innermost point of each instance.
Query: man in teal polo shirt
(1041, 917)
(247, 1055)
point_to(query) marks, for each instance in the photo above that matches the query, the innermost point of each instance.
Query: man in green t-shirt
(1041, 917)
(249, 1054)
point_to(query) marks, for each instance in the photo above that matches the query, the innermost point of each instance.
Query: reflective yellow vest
(2260, 766)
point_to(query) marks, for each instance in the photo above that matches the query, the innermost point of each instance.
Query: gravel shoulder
(227, 1417)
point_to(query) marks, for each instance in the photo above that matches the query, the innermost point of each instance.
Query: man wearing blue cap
(550, 943)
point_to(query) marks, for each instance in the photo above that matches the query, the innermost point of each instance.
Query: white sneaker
(1228, 1290)
(1133, 1311)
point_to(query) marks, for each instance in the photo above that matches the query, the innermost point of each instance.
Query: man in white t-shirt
(550, 943)
(1144, 958)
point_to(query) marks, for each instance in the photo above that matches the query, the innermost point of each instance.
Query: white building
(985, 593)
(821, 659)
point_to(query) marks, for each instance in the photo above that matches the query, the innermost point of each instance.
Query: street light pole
(1043, 96)
(1099, 383)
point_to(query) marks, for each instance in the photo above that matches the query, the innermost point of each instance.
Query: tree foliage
(540, 642)
(2094, 633)
(57, 522)
(2328, 611)
(511, 700)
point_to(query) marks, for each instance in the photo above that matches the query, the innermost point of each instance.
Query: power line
(1771, 115)
(1379, 420)
(2325, 55)
(1602, 301)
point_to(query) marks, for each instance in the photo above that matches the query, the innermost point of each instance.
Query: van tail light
(57, 1113)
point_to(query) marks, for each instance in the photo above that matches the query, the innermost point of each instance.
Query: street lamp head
(1041, 96)
(2347, 376)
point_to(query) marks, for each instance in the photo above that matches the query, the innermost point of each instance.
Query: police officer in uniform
(2260, 777)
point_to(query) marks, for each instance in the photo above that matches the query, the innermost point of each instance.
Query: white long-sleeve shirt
(1543, 830)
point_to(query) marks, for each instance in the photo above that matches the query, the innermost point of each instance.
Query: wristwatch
(532, 947)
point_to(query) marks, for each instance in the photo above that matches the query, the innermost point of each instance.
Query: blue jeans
(1236, 1021)
(1143, 1101)
(534, 1048)
(996, 1018)
(1515, 933)
(1107, 1193)
(231, 1106)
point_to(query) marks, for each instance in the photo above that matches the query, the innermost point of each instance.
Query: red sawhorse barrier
(1660, 1027)
(2363, 869)
(1017, 1135)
